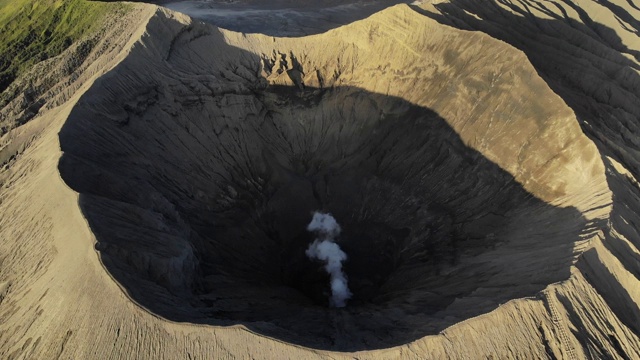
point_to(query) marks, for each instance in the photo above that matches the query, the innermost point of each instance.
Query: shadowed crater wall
(199, 166)
(594, 68)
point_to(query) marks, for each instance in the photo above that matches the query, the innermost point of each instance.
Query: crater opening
(368, 169)
(199, 189)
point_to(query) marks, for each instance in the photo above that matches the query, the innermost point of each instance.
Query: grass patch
(35, 30)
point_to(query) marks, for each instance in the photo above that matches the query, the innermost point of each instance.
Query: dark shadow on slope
(586, 66)
(199, 188)
(626, 20)
(623, 220)
(583, 64)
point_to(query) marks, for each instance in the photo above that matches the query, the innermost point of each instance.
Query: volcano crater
(199, 186)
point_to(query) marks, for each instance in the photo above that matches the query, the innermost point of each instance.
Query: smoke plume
(324, 248)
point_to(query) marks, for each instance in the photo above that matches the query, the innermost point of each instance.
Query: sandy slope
(133, 121)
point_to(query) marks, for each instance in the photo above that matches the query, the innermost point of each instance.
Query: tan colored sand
(57, 299)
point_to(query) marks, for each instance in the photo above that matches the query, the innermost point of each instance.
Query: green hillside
(35, 30)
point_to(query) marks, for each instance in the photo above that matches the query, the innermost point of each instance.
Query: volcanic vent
(201, 158)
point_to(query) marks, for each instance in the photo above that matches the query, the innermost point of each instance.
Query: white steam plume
(324, 248)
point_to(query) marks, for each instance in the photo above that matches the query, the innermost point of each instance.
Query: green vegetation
(35, 30)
